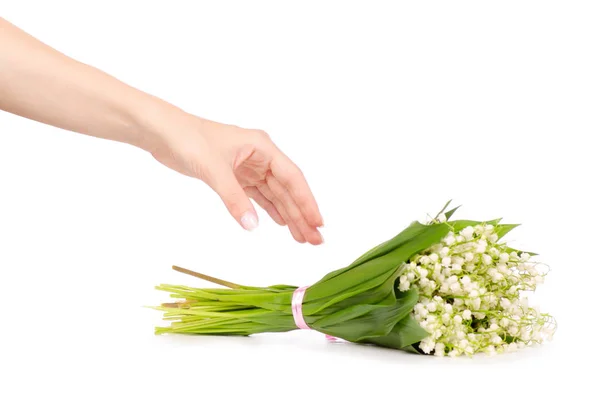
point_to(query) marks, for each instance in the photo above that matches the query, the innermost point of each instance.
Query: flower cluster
(471, 295)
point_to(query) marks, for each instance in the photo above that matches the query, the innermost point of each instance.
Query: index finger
(289, 175)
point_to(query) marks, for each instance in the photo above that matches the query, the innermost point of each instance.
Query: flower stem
(206, 277)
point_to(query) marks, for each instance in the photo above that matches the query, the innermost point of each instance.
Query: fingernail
(249, 221)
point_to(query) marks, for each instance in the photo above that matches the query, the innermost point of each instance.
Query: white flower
(427, 345)
(458, 260)
(495, 339)
(404, 286)
(490, 350)
(439, 349)
(481, 246)
(487, 259)
(446, 261)
(524, 302)
(445, 318)
(525, 256)
(434, 257)
(432, 306)
(466, 314)
(505, 303)
(503, 257)
(450, 239)
(457, 319)
(468, 232)
(455, 287)
(468, 256)
(453, 353)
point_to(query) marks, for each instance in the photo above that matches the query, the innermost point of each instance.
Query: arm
(40, 83)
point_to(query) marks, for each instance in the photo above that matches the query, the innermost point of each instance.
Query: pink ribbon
(297, 298)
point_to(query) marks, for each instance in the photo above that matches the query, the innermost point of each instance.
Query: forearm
(39, 83)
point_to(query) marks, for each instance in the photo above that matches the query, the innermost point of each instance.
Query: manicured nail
(249, 221)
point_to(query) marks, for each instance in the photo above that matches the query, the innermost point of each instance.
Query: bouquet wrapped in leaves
(444, 288)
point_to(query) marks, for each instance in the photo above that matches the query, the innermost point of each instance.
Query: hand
(240, 164)
(39, 83)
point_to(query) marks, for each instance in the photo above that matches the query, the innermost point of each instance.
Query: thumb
(224, 182)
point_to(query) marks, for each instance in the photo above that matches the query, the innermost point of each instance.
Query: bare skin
(42, 84)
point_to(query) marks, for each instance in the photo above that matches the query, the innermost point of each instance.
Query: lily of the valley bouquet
(444, 287)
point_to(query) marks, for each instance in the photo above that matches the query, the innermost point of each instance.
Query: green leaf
(450, 213)
(406, 333)
(378, 322)
(502, 230)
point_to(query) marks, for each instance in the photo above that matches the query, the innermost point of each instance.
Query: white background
(390, 109)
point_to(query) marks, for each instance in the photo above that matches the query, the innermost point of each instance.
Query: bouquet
(443, 287)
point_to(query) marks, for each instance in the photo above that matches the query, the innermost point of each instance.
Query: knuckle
(260, 134)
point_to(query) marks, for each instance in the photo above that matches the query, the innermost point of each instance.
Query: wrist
(153, 120)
